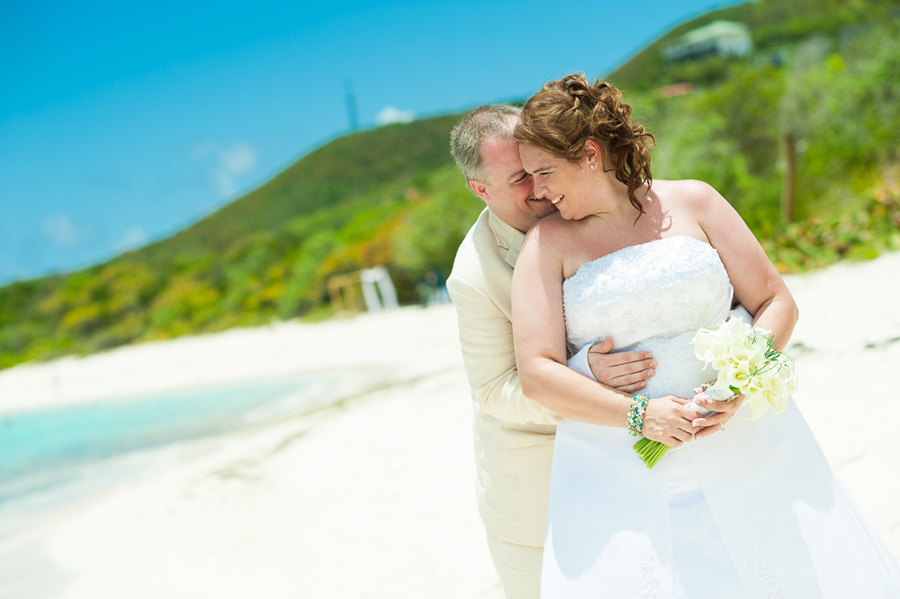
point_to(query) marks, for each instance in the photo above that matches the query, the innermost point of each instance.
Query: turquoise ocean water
(52, 459)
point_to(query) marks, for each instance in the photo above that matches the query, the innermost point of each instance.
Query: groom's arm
(485, 335)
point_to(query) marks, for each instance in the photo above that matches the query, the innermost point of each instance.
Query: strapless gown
(751, 512)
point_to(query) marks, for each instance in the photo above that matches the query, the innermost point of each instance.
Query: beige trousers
(519, 567)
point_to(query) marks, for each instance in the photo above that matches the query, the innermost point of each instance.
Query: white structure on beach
(378, 289)
(719, 38)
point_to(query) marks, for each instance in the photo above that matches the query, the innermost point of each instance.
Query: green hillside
(775, 25)
(820, 91)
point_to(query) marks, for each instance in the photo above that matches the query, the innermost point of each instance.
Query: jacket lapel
(508, 238)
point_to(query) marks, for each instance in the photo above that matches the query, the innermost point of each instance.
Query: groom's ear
(479, 189)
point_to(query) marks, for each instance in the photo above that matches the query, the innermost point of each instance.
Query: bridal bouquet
(746, 362)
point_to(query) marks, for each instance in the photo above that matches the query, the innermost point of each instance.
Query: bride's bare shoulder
(549, 238)
(689, 194)
(549, 227)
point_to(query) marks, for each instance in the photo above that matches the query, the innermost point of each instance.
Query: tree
(793, 113)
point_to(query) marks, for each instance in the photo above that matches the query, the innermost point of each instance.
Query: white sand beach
(375, 497)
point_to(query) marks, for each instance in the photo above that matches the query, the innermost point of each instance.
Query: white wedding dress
(751, 512)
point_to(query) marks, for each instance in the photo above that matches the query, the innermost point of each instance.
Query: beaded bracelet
(635, 422)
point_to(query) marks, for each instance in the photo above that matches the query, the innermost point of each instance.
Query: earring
(592, 167)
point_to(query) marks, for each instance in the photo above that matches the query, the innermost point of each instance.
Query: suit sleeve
(485, 334)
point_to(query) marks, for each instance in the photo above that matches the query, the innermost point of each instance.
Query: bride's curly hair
(566, 113)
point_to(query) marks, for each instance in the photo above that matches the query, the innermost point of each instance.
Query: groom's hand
(625, 371)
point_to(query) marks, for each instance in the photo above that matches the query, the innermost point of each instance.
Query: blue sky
(121, 123)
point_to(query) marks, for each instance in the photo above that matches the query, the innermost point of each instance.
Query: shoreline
(399, 344)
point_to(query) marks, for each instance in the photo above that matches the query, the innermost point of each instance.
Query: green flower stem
(651, 452)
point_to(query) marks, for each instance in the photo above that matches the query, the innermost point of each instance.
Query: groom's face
(509, 190)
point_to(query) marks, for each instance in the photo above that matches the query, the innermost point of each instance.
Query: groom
(513, 434)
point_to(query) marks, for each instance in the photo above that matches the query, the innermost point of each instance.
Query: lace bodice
(660, 288)
(653, 296)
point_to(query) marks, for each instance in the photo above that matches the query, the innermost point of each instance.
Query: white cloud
(224, 182)
(239, 158)
(133, 238)
(61, 231)
(390, 114)
(230, 162)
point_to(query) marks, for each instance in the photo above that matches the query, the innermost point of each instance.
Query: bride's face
(561, 181)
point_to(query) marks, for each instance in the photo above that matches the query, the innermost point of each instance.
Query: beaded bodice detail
(657, 289)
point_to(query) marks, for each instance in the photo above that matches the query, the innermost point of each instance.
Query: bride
(754, 512)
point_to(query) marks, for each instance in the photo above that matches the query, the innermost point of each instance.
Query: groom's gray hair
(491, 121)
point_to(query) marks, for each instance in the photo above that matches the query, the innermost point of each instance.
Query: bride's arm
(757, 285)
(540, 342)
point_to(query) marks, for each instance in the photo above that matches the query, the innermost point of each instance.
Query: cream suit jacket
(513, 434)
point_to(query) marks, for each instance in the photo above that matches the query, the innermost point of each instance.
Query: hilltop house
(719, 38)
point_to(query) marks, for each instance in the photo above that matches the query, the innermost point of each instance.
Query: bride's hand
(721, 412)
(667, 419)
